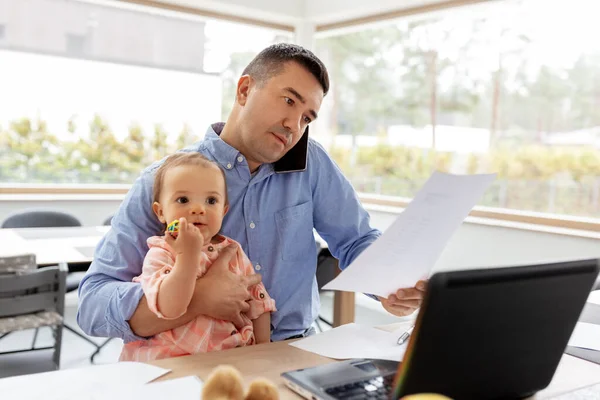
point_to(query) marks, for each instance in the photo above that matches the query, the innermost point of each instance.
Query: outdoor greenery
(480, 71)
(29, 153)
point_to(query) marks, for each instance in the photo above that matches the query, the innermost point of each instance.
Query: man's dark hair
(272, 60)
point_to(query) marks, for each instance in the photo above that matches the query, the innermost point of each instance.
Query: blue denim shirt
(272, 216)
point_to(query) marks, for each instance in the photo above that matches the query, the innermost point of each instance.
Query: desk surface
(271, 359)
(53, 245)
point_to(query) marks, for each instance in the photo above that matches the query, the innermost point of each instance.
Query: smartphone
(295, 160)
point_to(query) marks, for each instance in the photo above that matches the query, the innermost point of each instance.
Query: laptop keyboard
(377, 388)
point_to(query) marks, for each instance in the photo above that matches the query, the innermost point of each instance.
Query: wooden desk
(271, 359)
(75, 246)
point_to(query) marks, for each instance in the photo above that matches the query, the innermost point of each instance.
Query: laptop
(480, 334)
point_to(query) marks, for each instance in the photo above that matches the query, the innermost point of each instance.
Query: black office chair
(326, 270)
(39, 219)
(52, 219)
(108, 221)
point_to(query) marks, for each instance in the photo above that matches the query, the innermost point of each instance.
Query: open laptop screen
(494, 333)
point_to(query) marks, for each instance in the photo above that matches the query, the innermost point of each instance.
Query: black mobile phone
(296, 158)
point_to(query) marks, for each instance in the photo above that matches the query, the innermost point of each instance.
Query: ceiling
(291, 13)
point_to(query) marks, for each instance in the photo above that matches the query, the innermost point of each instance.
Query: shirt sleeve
(107, 296)
(157, 266)
(339, 217)
(261, 301)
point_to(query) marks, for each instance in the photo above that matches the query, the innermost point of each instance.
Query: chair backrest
(40, 219)
(108, 221)
(327, 267)
(39, 290)
(18, 264)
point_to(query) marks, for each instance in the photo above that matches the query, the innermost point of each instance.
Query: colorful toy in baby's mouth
(173, 228)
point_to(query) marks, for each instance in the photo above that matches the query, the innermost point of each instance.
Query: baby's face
(197, 193)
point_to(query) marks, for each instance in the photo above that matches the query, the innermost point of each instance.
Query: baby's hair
(179, 159)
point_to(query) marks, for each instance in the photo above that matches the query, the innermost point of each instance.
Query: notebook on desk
(590, 314)
(480, 334)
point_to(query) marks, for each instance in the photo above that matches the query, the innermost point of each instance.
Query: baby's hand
(189, 240)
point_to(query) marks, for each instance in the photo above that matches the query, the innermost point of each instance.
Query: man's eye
(307, 120)
(182, 200)
(289, 101)
(212, 200)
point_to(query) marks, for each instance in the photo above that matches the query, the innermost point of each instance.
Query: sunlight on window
(98, 96)
(511, 87)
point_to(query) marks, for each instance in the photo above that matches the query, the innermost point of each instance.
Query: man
(277, 193)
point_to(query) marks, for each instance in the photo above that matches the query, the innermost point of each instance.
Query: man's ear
(243, 89)
(158, 210)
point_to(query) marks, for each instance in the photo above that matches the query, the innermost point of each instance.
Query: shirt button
(240, 159)
(258, 267)
(229, 166)
(252, 225)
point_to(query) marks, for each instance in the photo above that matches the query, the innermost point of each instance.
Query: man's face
(275, 114)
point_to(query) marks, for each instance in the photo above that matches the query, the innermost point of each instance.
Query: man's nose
(293, 124)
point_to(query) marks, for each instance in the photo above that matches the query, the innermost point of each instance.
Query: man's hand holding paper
(396, 266)
(405, 301)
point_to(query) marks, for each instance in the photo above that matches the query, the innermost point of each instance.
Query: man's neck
(228, 135)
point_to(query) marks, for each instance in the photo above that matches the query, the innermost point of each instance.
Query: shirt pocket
(295, 229)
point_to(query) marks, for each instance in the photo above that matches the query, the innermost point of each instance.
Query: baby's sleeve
(261, 301)
(157, 265)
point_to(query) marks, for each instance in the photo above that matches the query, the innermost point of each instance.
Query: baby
(190, 188)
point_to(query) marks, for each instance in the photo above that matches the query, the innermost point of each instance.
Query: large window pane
(512, 87)
(95, 91)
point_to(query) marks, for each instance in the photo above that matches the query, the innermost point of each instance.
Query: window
(492, 88)
(99, 90)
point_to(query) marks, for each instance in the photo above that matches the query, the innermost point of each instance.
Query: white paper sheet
(586, 336)
(187, 388)
(355, 341)
(70, 383)
(409, 248)
(594, 297)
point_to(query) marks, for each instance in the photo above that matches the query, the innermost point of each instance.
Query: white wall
(474, 245)
(479, 245)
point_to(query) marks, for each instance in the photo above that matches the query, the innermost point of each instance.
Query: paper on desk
(586, 336)
(594, 297)
(354, 341)
(409, 248)
(65, 384)
(187, 388)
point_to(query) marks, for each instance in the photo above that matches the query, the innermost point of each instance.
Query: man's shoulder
(314, 146)
(317, 155)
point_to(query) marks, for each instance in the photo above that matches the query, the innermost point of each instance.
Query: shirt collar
(223, 152)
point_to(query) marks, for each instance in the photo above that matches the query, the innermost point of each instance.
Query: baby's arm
(262, 328)
(178, 287)
(169, 280)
